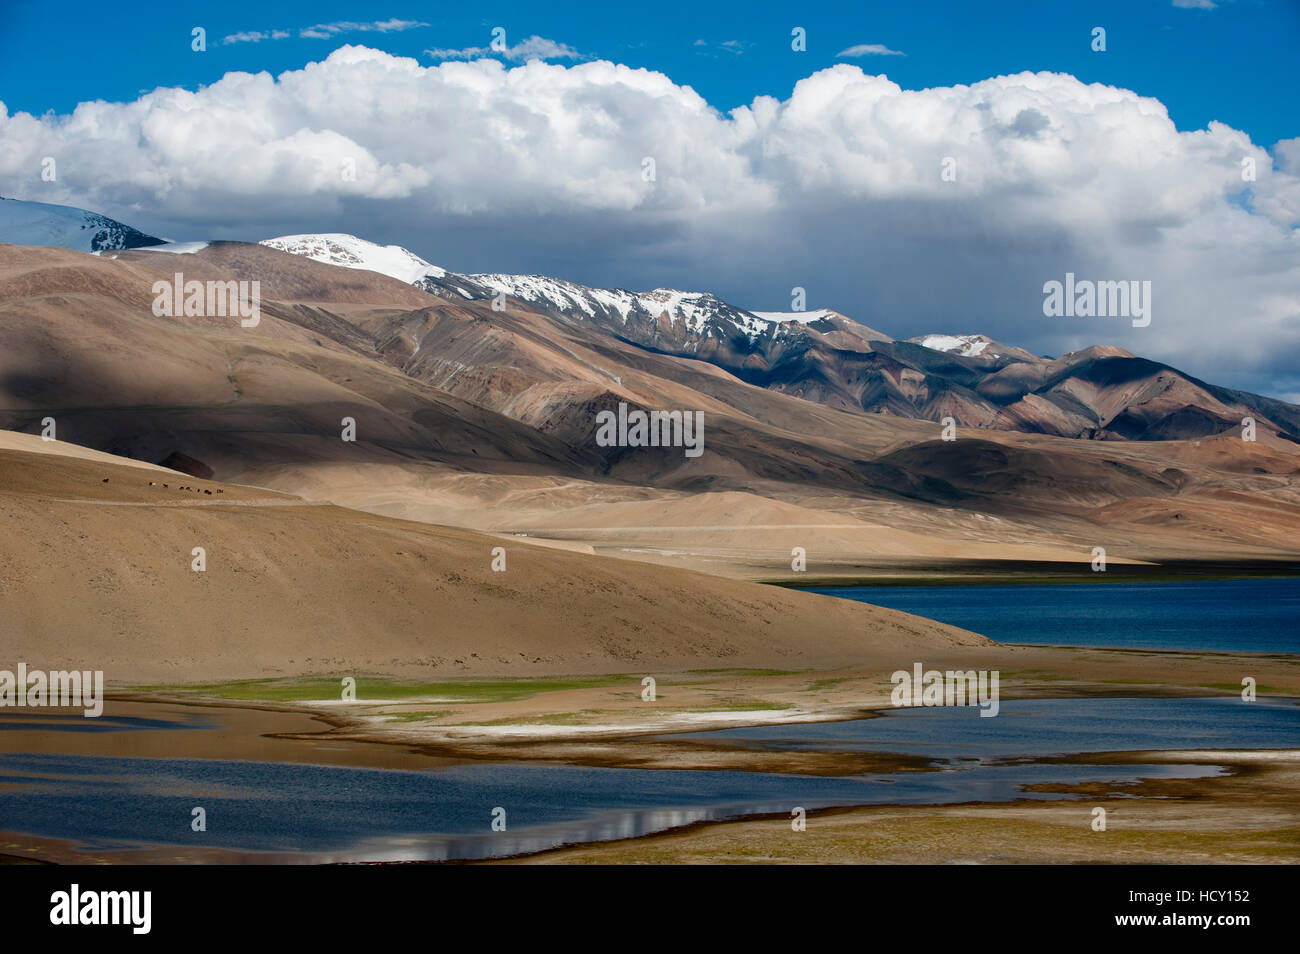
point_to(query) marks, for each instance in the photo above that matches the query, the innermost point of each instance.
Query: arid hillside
(467, 415)
(97, 572)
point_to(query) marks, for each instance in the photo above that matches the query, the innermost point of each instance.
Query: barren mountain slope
(98, 555)
(485, 418)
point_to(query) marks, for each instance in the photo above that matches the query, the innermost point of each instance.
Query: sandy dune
(292, 588)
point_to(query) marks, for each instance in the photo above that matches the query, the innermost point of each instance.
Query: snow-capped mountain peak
(349, 251)
(802, 317)
(968, 346)
(694, 310)
(564, 296)
(63, 226)
(695, 313)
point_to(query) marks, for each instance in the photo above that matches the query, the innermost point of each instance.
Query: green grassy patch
(820, 684)
(375, 688)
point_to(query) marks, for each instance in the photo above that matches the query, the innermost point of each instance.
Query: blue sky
(1238, 63)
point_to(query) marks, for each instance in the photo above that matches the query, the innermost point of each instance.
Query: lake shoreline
(1193, 615)
(1248, 815)
(606, 723)
(1025, 573)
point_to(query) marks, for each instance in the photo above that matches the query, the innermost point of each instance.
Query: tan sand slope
(98, 563)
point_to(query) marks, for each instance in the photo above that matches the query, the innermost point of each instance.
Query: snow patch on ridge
(698, 313)
(803, 317)
(557, 293)
(63, 226)
(693, 309)
(349, 251)
(176, 248)
(969, 346)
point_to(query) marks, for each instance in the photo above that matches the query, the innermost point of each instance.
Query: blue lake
(1039, 727)
(1255, 615)
(323, 813)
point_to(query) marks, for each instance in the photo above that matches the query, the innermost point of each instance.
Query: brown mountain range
(485, 418)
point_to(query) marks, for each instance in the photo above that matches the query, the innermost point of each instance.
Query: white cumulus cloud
(941, 209)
